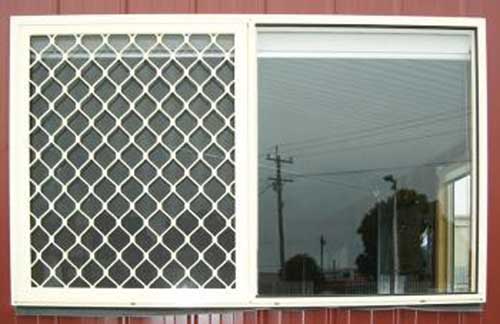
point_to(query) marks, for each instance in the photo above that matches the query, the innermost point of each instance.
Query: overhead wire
(359, 171)
(263, 190)
(359, 134)
(366, 133)
(315, 154)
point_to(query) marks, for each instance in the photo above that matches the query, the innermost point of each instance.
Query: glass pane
(132, 167)
(461, 234)
(359, 156)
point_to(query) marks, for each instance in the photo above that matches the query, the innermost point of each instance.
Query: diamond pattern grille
(132, 161)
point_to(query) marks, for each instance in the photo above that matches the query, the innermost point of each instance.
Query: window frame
(246, 26)
(22, 293)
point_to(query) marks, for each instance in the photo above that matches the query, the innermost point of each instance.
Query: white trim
(345, 301)
(18, 151)
(245, 27)
(209, 19)
(242, 134)
(482, 177)
(367, 43)
(253, 120)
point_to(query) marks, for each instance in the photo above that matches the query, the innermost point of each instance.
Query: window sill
(141, 312)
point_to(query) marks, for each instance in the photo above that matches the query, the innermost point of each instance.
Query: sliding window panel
(126, 167)
(359, 132)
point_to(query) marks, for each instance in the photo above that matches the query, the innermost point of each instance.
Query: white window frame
(22, 292)
(245, 28)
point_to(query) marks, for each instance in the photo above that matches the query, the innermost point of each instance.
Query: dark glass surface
(367, 163)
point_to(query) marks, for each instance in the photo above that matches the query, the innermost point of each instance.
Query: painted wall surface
(474, 8)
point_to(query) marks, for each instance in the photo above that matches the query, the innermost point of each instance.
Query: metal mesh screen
(132, 161)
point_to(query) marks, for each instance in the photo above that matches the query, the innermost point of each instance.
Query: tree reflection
(415, 230)
(303, 268)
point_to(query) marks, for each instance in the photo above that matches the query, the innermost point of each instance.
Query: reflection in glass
(364, 176)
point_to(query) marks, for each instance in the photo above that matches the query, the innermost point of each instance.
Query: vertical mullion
(252, 168)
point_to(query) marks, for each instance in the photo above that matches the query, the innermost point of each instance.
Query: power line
(333, 173)
(359, 134)
(367, 133)
(263, 190)
(370, 145)
(383, 126)
(339, 183)
(343, 172)
(352, 186)
(334, 182)
(311, 176)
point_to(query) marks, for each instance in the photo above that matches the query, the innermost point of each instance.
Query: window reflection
(364, 176)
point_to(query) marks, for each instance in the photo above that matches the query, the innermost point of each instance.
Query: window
(132, 161)
(352, 139)
(246, 159)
